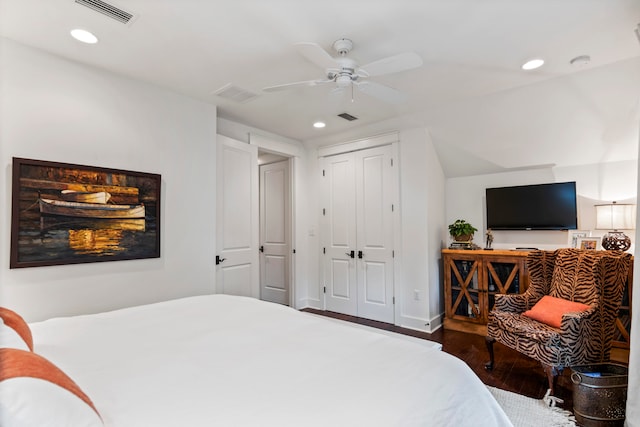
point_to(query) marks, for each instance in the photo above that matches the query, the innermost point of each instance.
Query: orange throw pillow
(17, 323)
(549, 310)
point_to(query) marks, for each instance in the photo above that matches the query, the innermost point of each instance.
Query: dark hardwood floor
(512, 371)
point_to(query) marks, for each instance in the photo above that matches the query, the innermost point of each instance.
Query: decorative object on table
(574, 235)
(462, 233)
(489, 235)
(588, 243)
(68, 214)
(614, 217)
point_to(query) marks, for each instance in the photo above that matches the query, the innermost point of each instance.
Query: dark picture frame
(66, 213)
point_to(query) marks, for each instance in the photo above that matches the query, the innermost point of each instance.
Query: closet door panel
(374, 212)
(339, 234)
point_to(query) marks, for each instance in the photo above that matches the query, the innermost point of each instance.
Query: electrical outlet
(416, 294)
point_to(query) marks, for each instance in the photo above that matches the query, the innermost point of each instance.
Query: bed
(221, 360)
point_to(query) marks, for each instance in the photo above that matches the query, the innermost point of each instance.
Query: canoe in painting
(90, 210)
(85, 196)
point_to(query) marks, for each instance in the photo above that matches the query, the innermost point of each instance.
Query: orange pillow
(17, 323)
(549, 310)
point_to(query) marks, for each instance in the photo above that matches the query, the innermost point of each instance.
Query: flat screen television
(533, 207)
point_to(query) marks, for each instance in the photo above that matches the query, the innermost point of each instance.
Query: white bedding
(220, 360)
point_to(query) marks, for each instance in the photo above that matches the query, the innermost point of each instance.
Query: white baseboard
(309, 303)
(420, 324)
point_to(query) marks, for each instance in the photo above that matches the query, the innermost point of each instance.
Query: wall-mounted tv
(533, 207)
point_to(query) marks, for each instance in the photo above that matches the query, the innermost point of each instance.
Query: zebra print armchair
(594, 278)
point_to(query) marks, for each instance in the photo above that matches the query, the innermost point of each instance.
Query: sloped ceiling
(483, 112)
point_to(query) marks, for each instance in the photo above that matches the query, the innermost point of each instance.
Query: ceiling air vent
(348, 117)
(235, 93)
(107, 9)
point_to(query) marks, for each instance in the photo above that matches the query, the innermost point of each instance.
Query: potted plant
(462, 231)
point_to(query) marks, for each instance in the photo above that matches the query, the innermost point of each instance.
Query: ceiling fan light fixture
(343, 80)
(532, 64)
(84, 36)
(345, 73)
(319, 124)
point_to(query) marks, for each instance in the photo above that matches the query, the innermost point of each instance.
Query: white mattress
(221, 360)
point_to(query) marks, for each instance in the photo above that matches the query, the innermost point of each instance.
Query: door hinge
(322, 172)
(324, 211)
(294, 251)
(324, 250)
(392, 162)
(392, 208)
(394, 300)
(393, 254)
(324, 290)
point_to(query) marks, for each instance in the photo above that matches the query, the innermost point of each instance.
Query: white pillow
(34, 392)
(9, 338)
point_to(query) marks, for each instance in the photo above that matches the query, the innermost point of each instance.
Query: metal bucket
(600, 394)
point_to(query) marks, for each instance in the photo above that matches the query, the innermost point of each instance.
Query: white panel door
(339, 234)
(274, 232)
(374, 213)
(359, 189)
(237, 218)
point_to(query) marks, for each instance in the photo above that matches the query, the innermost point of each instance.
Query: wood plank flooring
(512, 371)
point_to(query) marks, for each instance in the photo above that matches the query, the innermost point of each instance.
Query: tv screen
(533, 207)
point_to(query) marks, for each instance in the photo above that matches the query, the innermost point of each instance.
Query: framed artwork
(574, 235)
(68, 214)
(591, 243)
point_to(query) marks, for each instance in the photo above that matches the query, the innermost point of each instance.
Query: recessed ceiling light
(84, 36)
(533, 64)
(319, 125)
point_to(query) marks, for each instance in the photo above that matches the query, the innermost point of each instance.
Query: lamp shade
(616, 216)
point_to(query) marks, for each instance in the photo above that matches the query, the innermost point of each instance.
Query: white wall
(422, 217)
(633, 394)
(595, 184)
(53, 109)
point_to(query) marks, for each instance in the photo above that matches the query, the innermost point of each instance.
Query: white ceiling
(482, 111)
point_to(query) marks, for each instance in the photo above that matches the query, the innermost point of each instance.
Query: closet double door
(359, 191)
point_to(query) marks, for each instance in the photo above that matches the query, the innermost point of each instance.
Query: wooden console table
(472, 278)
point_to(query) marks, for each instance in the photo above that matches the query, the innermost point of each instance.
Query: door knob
(351, 254)
(360, 254)
(219, 260)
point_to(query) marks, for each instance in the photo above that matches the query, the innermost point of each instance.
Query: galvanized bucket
(600, 394)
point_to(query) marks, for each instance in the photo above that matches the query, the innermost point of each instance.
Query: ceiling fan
(345, 72)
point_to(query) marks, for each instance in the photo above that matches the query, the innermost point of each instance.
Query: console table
(472, 278)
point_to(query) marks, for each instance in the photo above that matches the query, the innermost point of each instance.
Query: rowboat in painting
(90, 210)
(85, 196)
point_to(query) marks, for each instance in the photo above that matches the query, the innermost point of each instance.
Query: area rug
(524, 411)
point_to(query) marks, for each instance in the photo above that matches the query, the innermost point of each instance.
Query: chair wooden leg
(552, 373)
(489, 342)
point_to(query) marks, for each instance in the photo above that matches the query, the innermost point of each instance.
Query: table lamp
(614, 217)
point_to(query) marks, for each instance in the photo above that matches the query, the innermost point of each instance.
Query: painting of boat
(65, 213)
(85, 196)
(90, 210)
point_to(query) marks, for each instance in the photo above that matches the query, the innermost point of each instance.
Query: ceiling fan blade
(316, 54)
(295, 85)
(392, 64)
(382, 92)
